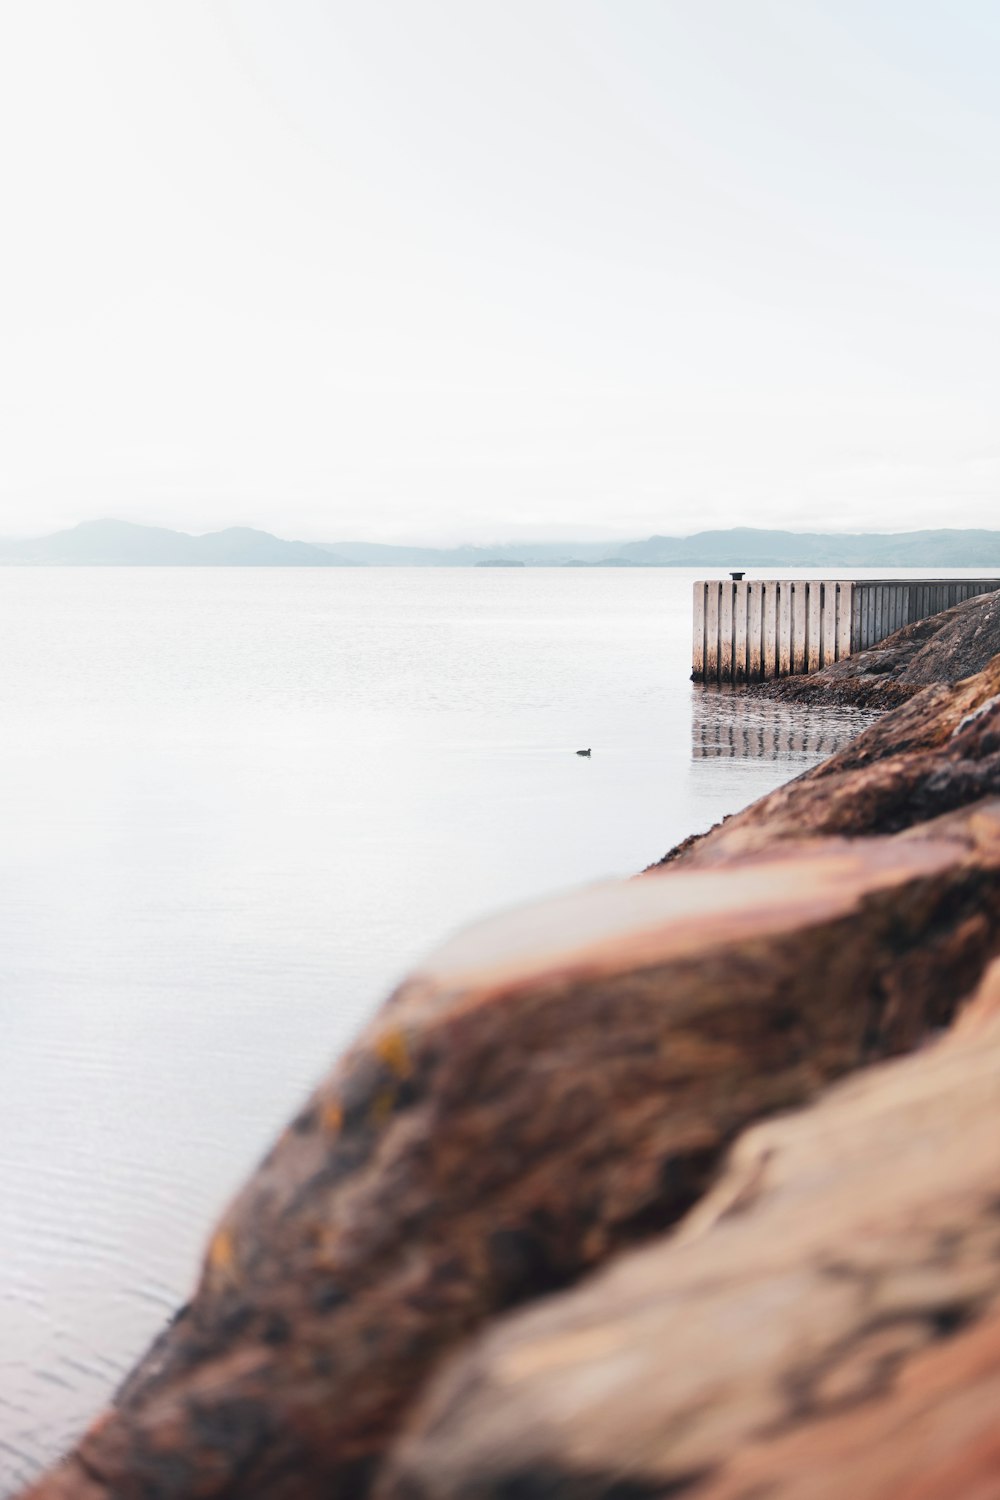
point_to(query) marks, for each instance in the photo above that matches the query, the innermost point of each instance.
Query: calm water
(235, 805)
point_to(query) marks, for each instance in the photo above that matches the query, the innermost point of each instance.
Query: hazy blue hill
(747, 547)
(960, 549)
(736, 547)
(388, 555)
(243, 546)
(122, 543)
(536, 554)
(100, 543)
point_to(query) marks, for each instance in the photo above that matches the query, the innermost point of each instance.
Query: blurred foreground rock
(556, 1085)
(826, 1324)
(560, 1085)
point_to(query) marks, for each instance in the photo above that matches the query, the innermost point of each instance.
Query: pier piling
(747, 630)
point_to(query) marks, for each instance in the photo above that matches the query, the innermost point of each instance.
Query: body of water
(235, 806)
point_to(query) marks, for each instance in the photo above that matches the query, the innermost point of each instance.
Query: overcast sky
(485, 269)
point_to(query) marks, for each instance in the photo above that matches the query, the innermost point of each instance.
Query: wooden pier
(748, 630)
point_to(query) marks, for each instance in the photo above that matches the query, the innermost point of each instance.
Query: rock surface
(825, 1324)
(553, 1087)
(560, 1086)
(937, 752)
(942, 648)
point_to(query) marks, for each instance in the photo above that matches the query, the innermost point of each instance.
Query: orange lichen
(222, 1253)
(391, 1049)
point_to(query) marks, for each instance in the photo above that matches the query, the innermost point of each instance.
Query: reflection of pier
(727, 725)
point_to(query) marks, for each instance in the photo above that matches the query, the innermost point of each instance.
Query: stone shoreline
(589, 1212)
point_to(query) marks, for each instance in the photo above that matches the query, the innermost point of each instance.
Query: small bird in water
(583, 752)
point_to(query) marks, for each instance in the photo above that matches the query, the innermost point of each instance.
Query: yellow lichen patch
(222, 1253)
(391, 1049)
(331, 1116)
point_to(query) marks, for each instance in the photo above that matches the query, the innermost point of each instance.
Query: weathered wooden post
(774, 627)
(755, 597)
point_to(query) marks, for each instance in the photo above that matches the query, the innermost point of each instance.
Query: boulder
(937, 752)
(553, 1087)
(826, 1323)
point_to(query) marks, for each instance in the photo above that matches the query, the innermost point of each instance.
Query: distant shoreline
(112, 543)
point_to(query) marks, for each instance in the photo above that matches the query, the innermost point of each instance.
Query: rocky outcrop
(825, 1324)
(942, 648)
(561, 1086)
(553, 1087)
(938, 752)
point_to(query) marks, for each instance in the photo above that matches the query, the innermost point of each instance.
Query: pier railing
(748, 630)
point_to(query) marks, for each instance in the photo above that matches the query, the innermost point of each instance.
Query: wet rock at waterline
(936, 753)
(554, 1086)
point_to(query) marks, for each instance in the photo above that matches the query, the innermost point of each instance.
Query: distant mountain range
(122, 543)
(737, 547)
(532, 554)
(746, 547)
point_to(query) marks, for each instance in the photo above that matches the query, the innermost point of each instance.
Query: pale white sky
(480, 269)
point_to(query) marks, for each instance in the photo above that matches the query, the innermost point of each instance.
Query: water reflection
(727, 724)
